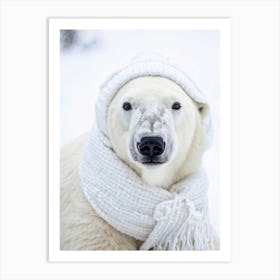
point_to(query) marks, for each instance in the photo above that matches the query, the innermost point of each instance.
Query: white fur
(81, 228)
(186, 127)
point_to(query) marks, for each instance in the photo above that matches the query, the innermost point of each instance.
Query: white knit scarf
(174, 219)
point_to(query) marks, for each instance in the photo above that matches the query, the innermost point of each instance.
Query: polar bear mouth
(152, 163)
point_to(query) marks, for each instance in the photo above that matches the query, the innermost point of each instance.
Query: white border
(223, 25)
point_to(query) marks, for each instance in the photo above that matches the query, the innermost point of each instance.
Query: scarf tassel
(193, 232)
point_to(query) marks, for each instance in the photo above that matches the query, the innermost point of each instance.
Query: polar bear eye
(176, 106)
(200, 109)
(127, 106)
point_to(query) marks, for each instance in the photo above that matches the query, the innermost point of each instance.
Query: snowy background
(88, 57)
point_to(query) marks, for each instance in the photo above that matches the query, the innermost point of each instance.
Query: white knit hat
(142, 65)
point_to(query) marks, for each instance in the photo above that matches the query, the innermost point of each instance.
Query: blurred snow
(88, 57)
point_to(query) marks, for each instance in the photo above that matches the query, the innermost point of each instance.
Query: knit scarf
(174, 219)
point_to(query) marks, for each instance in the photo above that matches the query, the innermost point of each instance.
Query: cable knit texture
(174, 219)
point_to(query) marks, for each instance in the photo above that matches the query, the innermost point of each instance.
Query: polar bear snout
(151, 147)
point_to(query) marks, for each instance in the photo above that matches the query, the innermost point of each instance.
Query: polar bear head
(157, 129)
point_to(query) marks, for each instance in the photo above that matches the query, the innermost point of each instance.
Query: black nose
(151, 146)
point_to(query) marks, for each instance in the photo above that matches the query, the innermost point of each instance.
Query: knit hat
(139, 66)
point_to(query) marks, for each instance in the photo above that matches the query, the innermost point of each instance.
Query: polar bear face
(155, 127)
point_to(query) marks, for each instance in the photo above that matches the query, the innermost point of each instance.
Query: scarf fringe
(193, 233)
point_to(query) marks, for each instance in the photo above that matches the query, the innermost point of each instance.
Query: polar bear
(160, 108)
(156, 129)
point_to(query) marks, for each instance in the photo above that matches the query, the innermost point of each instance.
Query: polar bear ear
(203, 109)
(204, 112)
